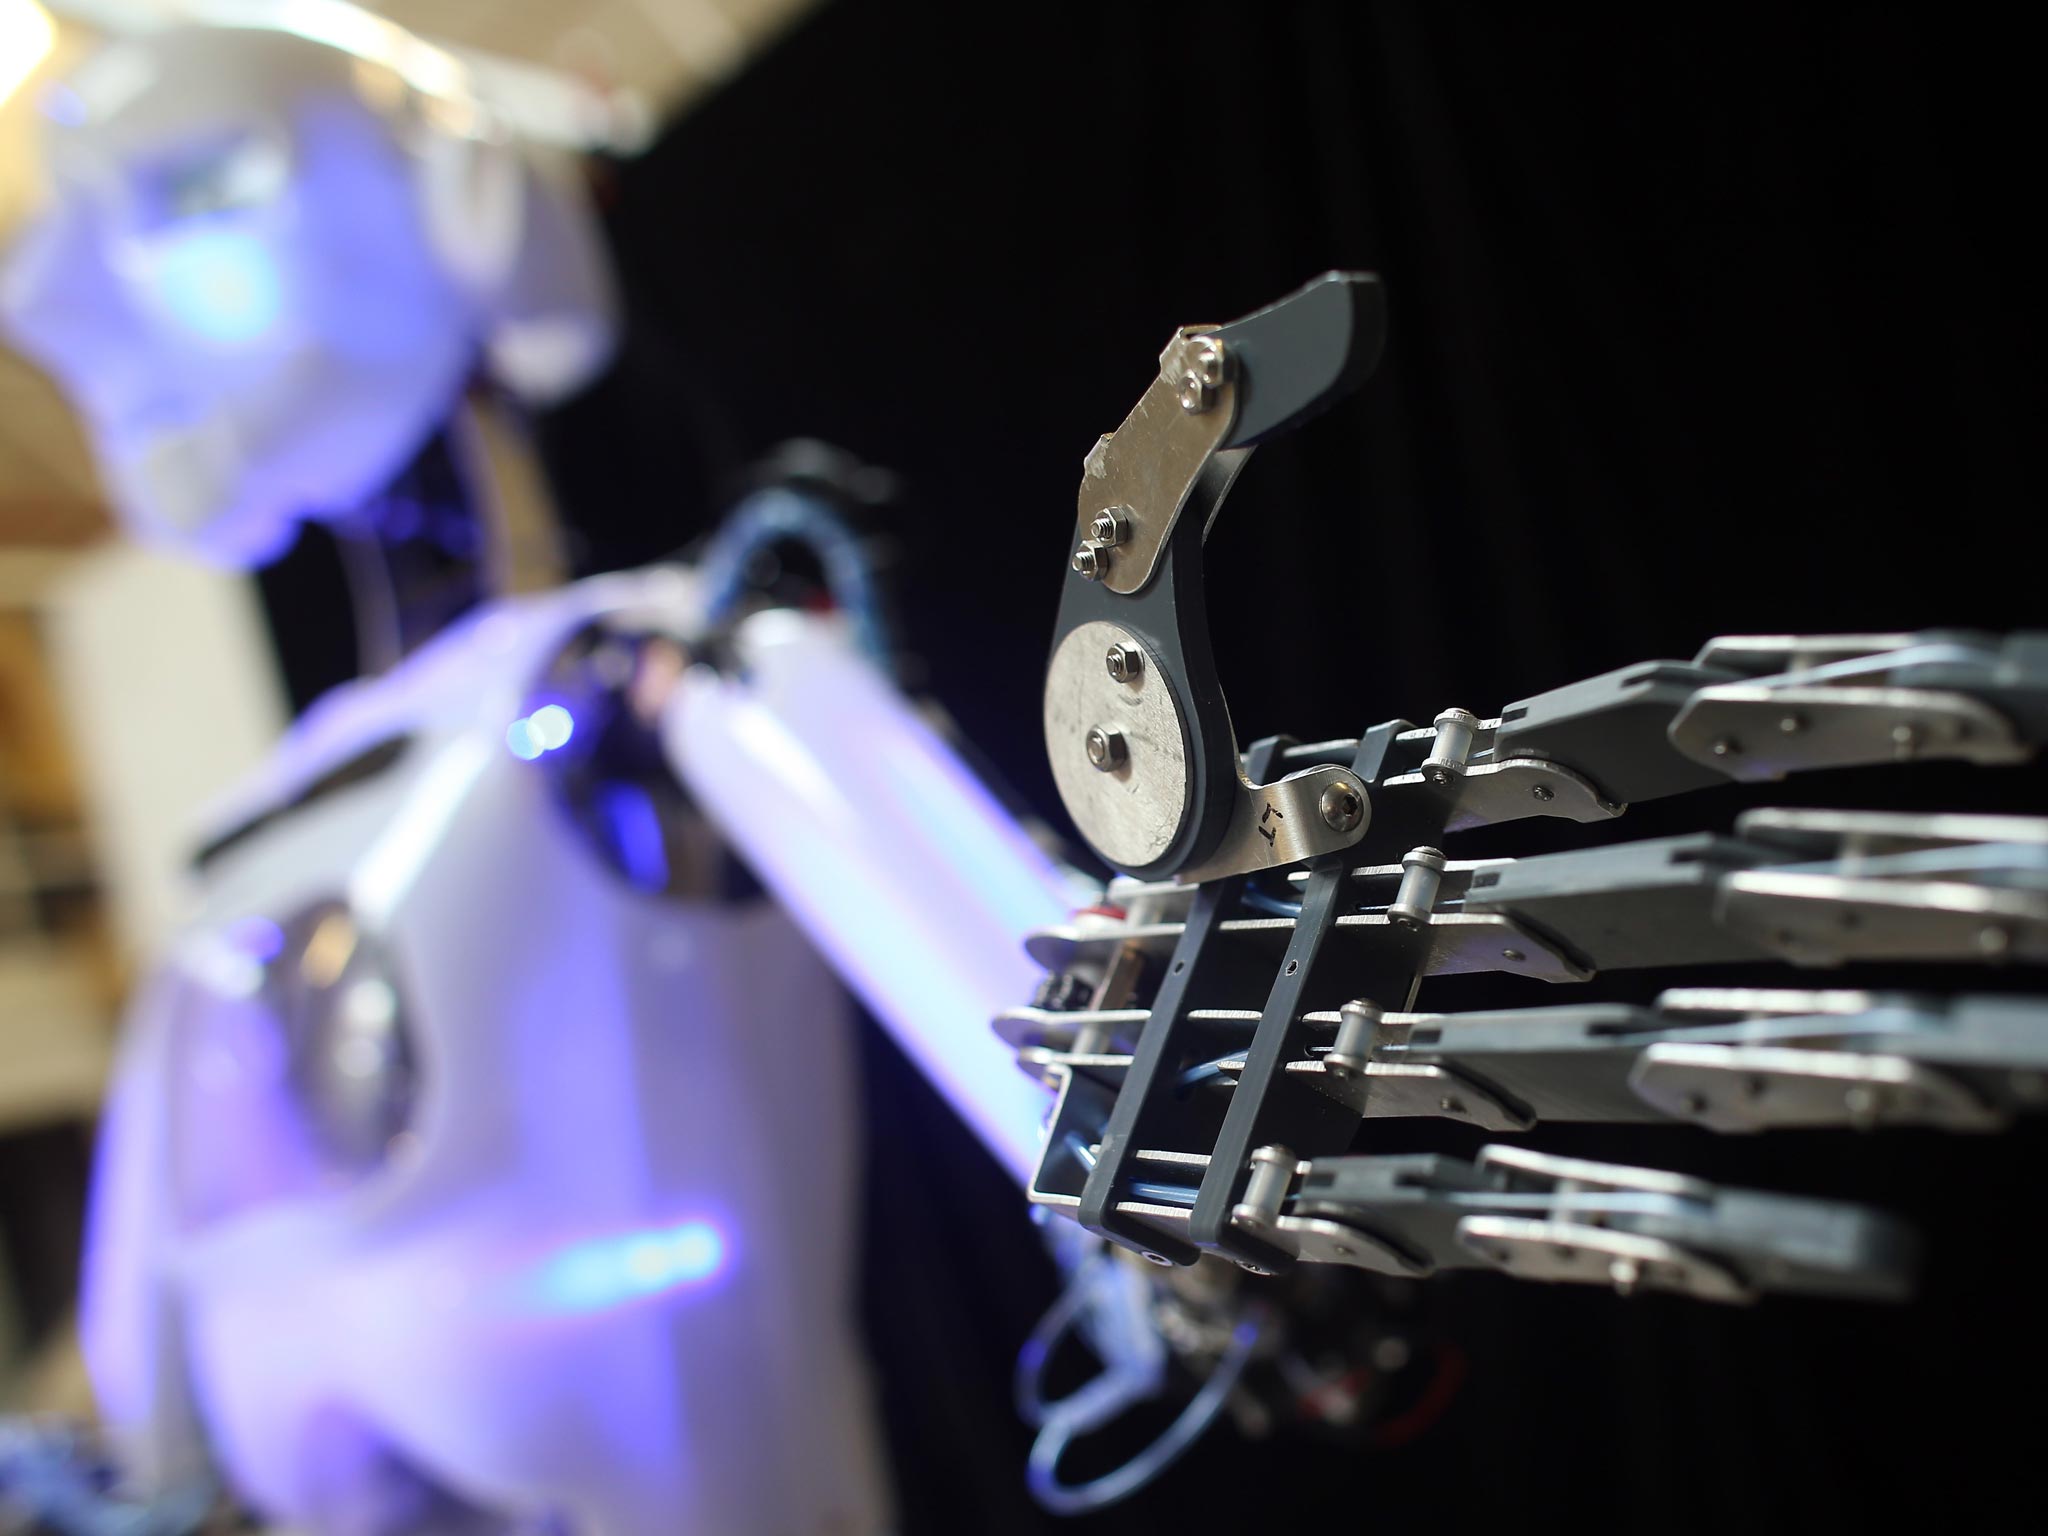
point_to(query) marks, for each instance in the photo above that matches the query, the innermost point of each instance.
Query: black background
(1703, 322)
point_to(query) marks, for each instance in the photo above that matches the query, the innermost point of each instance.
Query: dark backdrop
(1702, 323)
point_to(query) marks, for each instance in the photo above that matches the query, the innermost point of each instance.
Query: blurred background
(1701, 325)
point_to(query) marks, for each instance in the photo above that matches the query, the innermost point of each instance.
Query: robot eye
(218, 176)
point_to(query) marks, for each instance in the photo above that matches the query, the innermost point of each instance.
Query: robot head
(270, 267)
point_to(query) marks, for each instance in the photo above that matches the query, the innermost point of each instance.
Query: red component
(1442, 1390)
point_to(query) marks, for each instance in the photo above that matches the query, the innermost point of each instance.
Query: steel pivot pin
(1455, 729)
(1272, 1171)
(1422, 871)
(1358, 1027)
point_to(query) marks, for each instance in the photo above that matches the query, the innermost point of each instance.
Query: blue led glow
(520, 738)
(545, 729)
(552, 725)
(220, 284)
(607, 1271)
(634, 826)
(257, 937)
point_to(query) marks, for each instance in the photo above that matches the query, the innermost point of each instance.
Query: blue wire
(1272, 906)
(780, 515)
(1042, 1471)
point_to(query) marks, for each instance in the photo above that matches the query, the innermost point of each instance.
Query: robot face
(265, 276)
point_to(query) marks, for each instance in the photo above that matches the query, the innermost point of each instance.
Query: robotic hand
(1243, 997)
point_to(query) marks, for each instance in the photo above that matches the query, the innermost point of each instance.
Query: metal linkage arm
(1812, 887)
(1563, 1219)
(1730, 1059)
(1745, 709)
(1727, 1059)
(1760, 707)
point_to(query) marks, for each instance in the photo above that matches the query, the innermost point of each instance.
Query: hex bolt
(1125, 663)
(1455, 729)
(1272, 1171)
(1422, 871)
(1343, 807)
(1358, 1026)
(1112, 525)
(1107, 749)
(1091, 560)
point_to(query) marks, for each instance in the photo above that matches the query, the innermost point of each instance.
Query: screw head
(1513, 954)
(1125, 663)
(1112, 525)
(1202, 370)
(1544, 793)
(1343, 807)
(1727, 746)
(1091, 560)
(1107, 748)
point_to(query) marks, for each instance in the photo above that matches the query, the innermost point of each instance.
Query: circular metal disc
(1130, 813)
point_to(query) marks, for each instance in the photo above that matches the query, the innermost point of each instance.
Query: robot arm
(898, 863)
